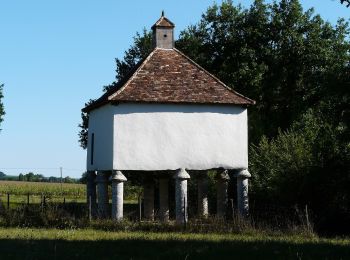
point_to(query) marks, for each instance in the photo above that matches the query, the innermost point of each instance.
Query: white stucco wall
(169, 137)
(101, 125)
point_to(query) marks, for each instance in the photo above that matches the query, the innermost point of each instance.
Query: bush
(306, 165)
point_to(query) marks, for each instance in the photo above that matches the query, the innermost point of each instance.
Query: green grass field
(130, 239)
(96, 244)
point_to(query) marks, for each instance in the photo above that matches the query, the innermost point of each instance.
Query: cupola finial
(162, 13)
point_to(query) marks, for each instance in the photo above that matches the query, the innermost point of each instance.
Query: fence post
(28, 199)
(8, 201)
(140, 209)
(41, 201)
(90, 208)
(233, 209)
(307, 219)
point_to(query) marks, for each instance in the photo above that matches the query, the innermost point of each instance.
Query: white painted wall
(101, 124)
(169, 137)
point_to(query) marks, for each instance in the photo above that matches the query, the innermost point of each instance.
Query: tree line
(32, 177)
(296, 66)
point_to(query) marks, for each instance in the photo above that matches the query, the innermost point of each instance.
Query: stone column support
(242, 192)
(164, 199)
(148, 199)
(102, 192)
(118, 180)
(221, 191)
(91, 191)
(202, 183)
(181, 177)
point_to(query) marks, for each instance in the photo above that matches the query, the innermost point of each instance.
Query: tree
(21, 177)
(83, 133)
(83, 178)
(347, 2)
(2, 110)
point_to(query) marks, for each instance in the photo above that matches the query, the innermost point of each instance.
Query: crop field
(53, 192)
(97, 244)
(45, 188)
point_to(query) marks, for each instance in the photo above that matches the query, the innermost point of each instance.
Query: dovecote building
(169, 118)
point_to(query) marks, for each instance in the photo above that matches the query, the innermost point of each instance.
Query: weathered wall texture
(169, 137)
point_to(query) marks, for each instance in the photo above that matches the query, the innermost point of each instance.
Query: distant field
(18, 243)
(19, 190)
(45, 188)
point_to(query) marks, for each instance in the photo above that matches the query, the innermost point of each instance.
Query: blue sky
(55, 55)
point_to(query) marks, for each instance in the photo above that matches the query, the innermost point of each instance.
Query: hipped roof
(169, 76)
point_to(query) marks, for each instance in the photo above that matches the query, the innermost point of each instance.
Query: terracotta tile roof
(168, 76)
(163, 22)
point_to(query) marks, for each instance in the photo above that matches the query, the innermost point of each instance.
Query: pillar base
(102, 191)
(242, 192)
(202, 182)
(221, 191)
(118, 180)
(181, 177)
(164, 199)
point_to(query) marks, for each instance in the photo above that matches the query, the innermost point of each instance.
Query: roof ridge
(213, 76)
(110, 97)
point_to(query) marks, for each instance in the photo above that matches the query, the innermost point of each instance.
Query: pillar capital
(243, 173)
(182, 174)
(102, 176)
(118, 176)
(223, 175)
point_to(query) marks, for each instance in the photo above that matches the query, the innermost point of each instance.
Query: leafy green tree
(68, 179)
(83, 178)
(346, 2)
(2, 110)
(305, 165)
(83, 133)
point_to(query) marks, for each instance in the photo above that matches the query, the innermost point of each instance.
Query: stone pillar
(221, 191)
(148, 199)
(181, 177)
(202, 183)
(163, 199)
(118, 180)
(102, 192)
(91, 191)
(242, 192)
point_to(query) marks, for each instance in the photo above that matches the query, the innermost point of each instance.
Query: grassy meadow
(97, 244)
(61, 232)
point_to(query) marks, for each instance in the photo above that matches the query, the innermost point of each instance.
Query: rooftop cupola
(163, 33)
